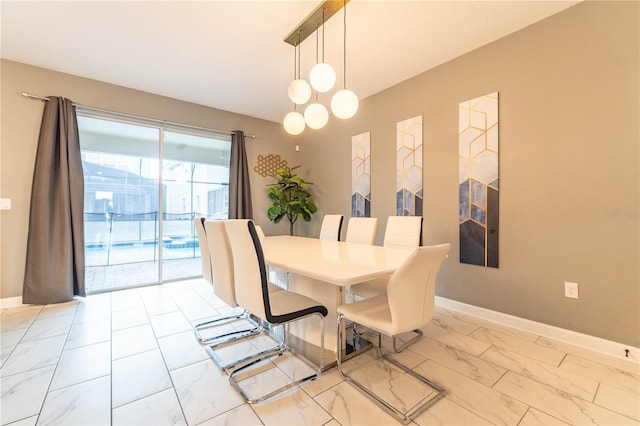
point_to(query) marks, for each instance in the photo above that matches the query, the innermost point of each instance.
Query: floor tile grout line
(79, 383)
(595, 394)
(46, 394)
(565, 393)
(224, 371)
(492, 387)
(534, 378)
(173, 386)
(617, 370)
(524, 415)
(564, 358)
(21, 337)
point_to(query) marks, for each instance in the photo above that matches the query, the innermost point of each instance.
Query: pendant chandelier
(344, 103)
(299, 92)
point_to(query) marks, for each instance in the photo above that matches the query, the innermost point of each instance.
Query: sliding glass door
(144, 184)
(191, 188)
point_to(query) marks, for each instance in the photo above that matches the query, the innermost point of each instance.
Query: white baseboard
(11, 302)
(597, 344)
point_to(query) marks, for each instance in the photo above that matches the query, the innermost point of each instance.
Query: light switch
(5, 203)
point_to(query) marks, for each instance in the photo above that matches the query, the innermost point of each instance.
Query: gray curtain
(54, 270)
(239, 187)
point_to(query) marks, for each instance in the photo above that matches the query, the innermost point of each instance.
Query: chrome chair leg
(396, 348)
(233, 363)
(277, 351)
(208, 324)
(405, 418)
(245, 361)
(405, 345)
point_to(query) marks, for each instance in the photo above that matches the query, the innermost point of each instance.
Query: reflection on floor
(130, 357)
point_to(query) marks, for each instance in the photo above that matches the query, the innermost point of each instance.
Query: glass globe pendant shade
(344, 104)
(322, 77)
(316, 116)
(293, 123)
(299, 91)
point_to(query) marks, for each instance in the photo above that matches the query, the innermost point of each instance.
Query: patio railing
(114, 238)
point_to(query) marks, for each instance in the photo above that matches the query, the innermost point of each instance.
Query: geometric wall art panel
(409, 167)
(361, 175)
(478, 181)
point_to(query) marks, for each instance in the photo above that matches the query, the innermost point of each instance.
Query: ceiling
(231, 54)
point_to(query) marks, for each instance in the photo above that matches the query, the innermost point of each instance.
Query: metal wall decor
(479, 180)
(409, 167)
(361, 175)
(269, 164)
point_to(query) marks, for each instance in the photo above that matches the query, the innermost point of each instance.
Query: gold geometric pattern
(269, 164)
(478, 139)
(361, 175)
(409, 167)
(478, 180)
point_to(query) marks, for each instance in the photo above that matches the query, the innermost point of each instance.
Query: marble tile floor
(130, 358)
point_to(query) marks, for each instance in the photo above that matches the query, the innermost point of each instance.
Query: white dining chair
(207, 274)
(401, 232)
(205, 259)
(408, 304)
(260, 233)
(362, 230)
(216, 246)
(273, 308)
(331, 227)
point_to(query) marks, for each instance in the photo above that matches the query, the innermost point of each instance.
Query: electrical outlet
(571, 290)
(5, 203)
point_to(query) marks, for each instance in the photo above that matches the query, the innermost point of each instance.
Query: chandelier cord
(317, 56)
(295, 53)
(344, 48)
(299, 53)
(317, 51)
(323, 34)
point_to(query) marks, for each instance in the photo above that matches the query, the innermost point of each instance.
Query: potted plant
(290, 197)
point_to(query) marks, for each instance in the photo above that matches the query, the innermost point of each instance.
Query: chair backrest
(403, 231)
(362, 230)
(260, 233)
(204, 249)
(221, 261)
(411, 289)
(331, 227)
(252, 292)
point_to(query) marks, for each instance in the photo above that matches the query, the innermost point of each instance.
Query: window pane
(195, 173)
(125, 243)
(120, 164)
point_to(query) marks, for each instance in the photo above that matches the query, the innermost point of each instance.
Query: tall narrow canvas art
(361, 175)
(479, 180)
(409, 167)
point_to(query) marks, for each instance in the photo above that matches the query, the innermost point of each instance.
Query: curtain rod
(186, 126)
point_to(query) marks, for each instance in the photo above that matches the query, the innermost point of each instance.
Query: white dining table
(323, 270)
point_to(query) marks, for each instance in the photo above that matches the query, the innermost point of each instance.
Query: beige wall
(569, 152)
(20, 120)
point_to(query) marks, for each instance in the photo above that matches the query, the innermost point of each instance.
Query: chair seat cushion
(287, 306)
(373, 313)
(273, 288)
(370, 288)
